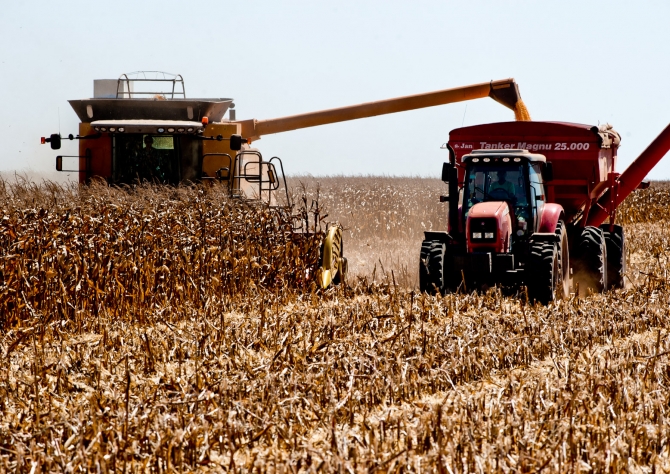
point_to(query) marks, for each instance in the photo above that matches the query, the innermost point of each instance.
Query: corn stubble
(173, 330)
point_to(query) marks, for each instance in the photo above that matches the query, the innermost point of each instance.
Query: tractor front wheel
(544, 272)
(431, 267)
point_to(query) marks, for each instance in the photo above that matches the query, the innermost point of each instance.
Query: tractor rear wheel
(544, 272)
(615, 242)
(563, 284)
(431, 267)
(591, 264)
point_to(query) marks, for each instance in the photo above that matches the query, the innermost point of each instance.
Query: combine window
(155, 158)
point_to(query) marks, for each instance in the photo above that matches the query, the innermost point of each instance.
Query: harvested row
(374, 376)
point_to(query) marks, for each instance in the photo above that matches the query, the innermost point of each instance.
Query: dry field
(170, 330)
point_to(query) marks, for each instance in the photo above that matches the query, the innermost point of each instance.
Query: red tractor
(527, 202)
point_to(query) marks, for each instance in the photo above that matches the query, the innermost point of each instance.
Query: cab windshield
(496, 183)
(145, 157)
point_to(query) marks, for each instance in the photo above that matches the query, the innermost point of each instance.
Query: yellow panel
(213, 163)
(215, 146)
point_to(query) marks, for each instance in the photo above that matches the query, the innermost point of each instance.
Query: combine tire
(591, 265)
(563, 283)
(544, 272)
(431, 267)
(333, 264)
(615, 242)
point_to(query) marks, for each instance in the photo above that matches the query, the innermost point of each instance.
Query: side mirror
(548, 174)
(236, 142)
(448, 172)
(54, 139)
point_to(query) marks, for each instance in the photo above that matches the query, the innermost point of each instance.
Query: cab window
(146, 157)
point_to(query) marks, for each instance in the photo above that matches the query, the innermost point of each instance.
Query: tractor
(528, 203)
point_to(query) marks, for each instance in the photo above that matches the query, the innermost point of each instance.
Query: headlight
(488, 235)
(476, 235)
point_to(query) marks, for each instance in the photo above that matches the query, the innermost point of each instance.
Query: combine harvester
(144, 128)
(527, 203)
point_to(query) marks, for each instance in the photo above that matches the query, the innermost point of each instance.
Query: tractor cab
(512, 177)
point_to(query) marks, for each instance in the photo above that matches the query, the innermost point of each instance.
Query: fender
(551, 214)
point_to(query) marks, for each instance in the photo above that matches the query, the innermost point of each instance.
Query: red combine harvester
(527, 203)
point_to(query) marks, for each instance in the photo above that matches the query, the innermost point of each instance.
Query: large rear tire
(615, 243)
(591, 264)
(544, 271)
(431, 267)
(563, 284)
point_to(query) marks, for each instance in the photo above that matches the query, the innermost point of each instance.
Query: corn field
(169, 329)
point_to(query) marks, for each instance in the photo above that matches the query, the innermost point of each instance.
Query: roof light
(97, 129)
(171, 130)
(160, 130)
(505, 159)
(517, 159)
(180, 130)
(486, 160)
(475, 160)
(112, 129)
(121, 129)
(189, 129)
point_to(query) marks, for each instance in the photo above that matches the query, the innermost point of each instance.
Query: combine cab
(527, 202)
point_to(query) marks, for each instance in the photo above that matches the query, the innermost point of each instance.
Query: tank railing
(124, 79)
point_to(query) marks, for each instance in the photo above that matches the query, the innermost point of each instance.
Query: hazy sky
(578, 61)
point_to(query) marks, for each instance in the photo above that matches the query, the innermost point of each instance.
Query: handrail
(176, 79)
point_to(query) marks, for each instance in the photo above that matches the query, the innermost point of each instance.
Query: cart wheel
(544, 272)
(591, 262)
(615, 242)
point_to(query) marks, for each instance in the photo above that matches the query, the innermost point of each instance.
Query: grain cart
(141, 126)
(527, 202)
